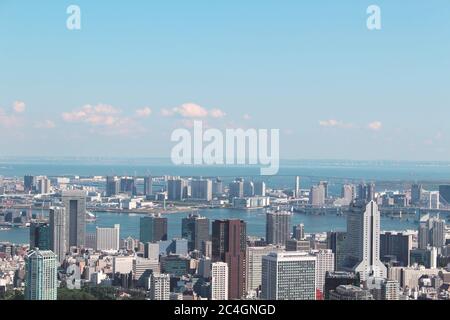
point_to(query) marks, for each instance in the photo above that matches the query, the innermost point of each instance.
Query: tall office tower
(143, 269)
(298, 232)
(195, 229)
(297, 191)
(217, 187)
(236, 189)
(317, 196)
(201, 189)
(75, 203)
(176, 189)
(336, 241)
(58, 232)
(229, 244)
(298, 245)
(398, 245)
(336, 279)
(324, 264)
(348, 193)
(160, 287)
(207, 248)
(249, 189)
(370, 192)
(108, 239)
(151, 250)
(152, 229)
(366, 192)
(325, 188)
(289, 276)
(431, 232)
(260, 188)
(112, 186)
(219, 281)
(28, 183)
(204, 268)
(43, 185)
(254, 265)
(128, 185)
(416, 194)
(444, 193)
(40, 236)
(278, 226)
(148, 185)
(41, 275)
(390, 290)
(363, 240)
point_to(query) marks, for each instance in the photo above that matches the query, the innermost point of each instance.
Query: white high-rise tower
(363, 240)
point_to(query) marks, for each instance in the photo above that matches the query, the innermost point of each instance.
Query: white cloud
(375, 126)
(335, 123)
(193, 111)
(144, 112)
(98, 115)
(46, 124)
(19, 106)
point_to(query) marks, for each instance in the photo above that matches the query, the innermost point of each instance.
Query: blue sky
(139, 69)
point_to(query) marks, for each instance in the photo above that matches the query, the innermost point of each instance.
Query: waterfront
(256, 223)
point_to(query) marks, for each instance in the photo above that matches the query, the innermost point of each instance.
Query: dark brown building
(229, 243)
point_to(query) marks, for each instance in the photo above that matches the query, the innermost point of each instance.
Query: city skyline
(342, 84)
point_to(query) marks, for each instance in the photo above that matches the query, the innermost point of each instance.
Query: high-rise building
(43, 185)
(201, 189)
(324, 264)
(278, 226)
(229, 244)
(108, 239)
(176, 189)
(366, 192)
(298, 232)
(336, 279)
(363, 240)
(390, 290)
(336, 241)
(112, 186)
(40, 236)
(29, 183)
(317, 196)
(195, 229)
(444, 193)
(236, 189)
(260, 188)
(431, 232)
(325, 188)
(396, 244)
(298, 245)
(297, 192)
(148, 186)
(41, 275)
(416, 194)
(217, 187)
(153, 228)
(348, 193)
(58, 232)
(249, 189)
(160, 287)
(289, 276)
(143, 269)
(254, 265)
(75, 203)
(219, 281)
(128, 185)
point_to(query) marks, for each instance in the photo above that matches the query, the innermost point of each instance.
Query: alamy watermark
(73, 21)
(232, 147)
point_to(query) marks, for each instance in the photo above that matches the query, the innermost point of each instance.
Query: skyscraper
(128, 185)
(298, 232)
(348, 193)
(289, 276)
(201, 189)
(40, 236)
(254, 265)
(41, 275)
(431, 232)
(444, 193)
(336, 279)
(416, 194)
(219, 281)
(325, 188)
(260, 188)
(75, 204)
(195, 229)
(297, 187)
(112, 186)
(229, 243)
(148, 186)
(152, 229)
(58, 232)
(108, 239)
(278, 226)
(317, 196)
(396, 244)
(363, 240)
(236, 189)
(176, 189)
(336, 241)
(249, 189)
(28, 183)
(324, 264)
